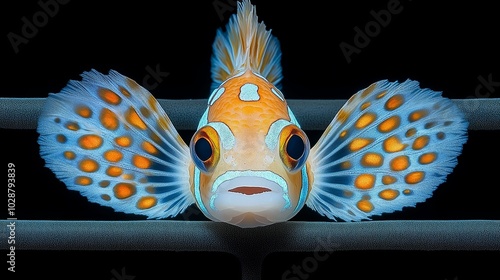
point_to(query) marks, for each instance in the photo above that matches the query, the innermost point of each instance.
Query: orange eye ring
(294, 147)
(204, 147)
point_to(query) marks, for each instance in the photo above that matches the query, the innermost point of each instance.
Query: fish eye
(294, 147)
(204, 148)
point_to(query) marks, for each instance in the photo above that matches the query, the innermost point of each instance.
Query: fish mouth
(249, 192)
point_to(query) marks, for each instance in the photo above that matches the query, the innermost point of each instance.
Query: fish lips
(250, 192)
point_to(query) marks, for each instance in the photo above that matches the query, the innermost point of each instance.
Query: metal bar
(22, 113)
(251, 246)
(220, 237)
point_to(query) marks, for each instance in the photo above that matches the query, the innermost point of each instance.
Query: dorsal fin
(246, 44)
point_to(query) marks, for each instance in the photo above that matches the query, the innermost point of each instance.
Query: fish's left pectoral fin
(108, 138)
(388, 147)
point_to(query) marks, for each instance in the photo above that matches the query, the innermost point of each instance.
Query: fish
(249, 163)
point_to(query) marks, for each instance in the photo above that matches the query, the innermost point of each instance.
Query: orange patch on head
(141, 162)
(90, 142)
(133, 118)
(124, 190)
(69, 155)
(105, 197)
(365, 205)
(427, 158)
(83, 180)
(414, 177)
(146, 202)
(123, 141)
(393, 144)
(417, 115)
(387, 180)
(84, 111)
(108, 119)
(365, 120)
(420, 142)
(342, 134)
(364, 181)
(359, 143)
(388, 194)
(400, 163)
(113, 155)
(149, 148)
(109, 96)
(389, 124)
(372, 160)
(88, 165)
(114, 171)
(394, 102)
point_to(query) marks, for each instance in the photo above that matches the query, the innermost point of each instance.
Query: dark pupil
(203, 149)
(295, 147)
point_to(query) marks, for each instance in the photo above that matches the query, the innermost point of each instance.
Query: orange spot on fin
(133, 118)
(146, 202)
(393, 144)
(109, 96)
(90, 142)
(124, 190)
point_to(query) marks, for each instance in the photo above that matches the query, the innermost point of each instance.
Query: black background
(446, 47)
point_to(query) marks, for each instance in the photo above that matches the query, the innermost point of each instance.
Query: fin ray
(246, 44)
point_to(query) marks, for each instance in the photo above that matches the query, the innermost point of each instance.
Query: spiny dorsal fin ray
(246, 44)
(388, 147)
(108, 138)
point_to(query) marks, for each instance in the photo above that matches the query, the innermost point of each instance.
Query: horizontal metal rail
(251, 246)
(22, 113)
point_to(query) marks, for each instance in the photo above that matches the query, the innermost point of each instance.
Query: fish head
(249, 155)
